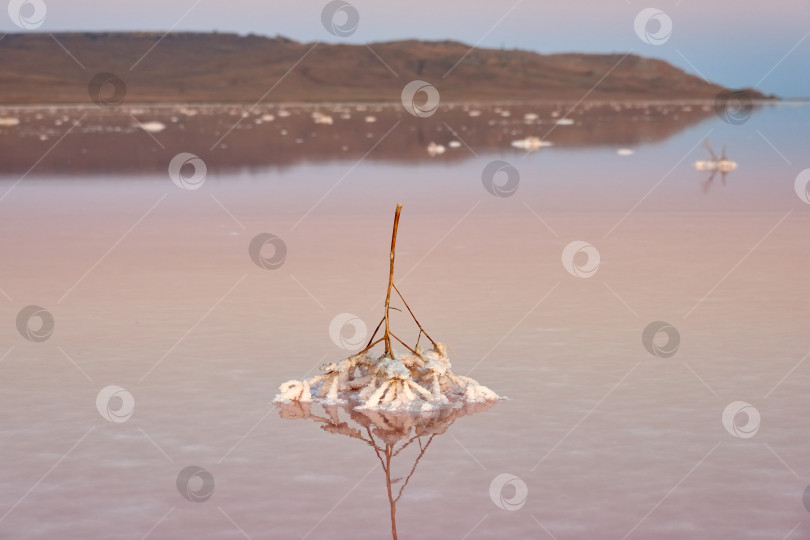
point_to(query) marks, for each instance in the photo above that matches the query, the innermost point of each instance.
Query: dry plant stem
(387, 338)
(412, 315)
(403, 343)
(368, 345)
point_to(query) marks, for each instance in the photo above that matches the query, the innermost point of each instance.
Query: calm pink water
(151, 289)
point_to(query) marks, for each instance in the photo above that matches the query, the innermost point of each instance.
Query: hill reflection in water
(143, 139)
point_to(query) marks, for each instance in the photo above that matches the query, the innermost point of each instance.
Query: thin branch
(370, 346)
(375, 332)
(413, 470)
(405, 344)
(412, 315)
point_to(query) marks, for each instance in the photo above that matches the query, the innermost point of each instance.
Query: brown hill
(212, 67)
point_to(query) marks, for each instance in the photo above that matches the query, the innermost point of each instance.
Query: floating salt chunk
(283, 132)
(454, 144)
(565, 122)
(474, 113)
(435, 149)
(555, 114)
(268, 118)
(625, 151)
(505, 114)
(530, 143)
(345, 116)
(370, 119)
(530, 117)
(43, 137)
(9, 121)
(153, 127)
(174, 119)
(723, 165)
(283, 113)
(322, 119)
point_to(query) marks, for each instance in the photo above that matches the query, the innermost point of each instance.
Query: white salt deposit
(153, 127)
(530, 143)
(322, 119)
(9, 121)
(435, 149)
(413, 382)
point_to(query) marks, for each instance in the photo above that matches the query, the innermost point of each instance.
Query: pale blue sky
(736, 43)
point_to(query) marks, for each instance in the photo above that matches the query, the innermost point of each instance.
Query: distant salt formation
(9, 121)
(322, 119)
(454, 144)
(716, 164)
(530, 143)
(416, 381)
(435, 149)
(625, 151)
(565, 122)
(152, 127)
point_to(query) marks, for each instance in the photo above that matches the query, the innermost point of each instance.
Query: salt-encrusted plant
(416, 381)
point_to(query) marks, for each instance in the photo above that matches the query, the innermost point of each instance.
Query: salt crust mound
(419, 382)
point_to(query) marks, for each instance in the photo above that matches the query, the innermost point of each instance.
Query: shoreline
(454, 103)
